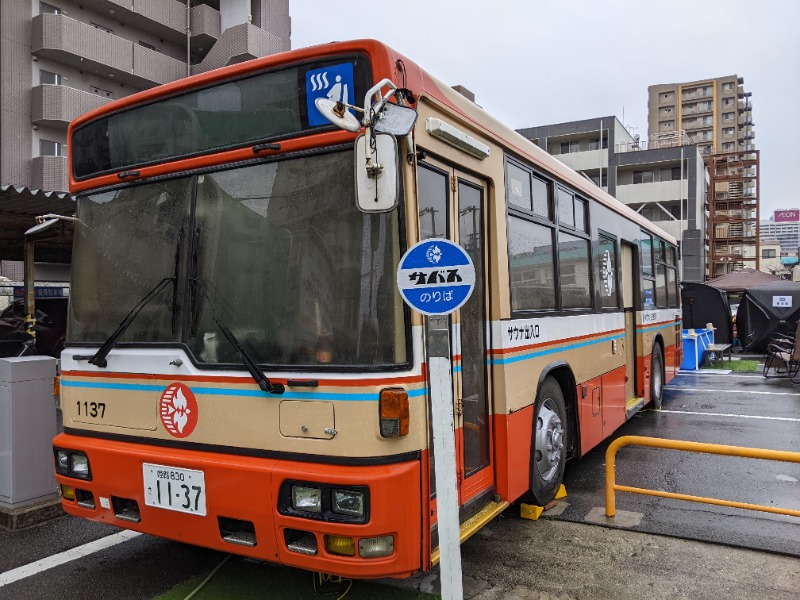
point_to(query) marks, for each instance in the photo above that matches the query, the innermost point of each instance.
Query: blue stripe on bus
(137, 387)
(530, 355)
(655, 327)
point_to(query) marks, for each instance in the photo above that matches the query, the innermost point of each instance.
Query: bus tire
(657, 376)
(549, 453)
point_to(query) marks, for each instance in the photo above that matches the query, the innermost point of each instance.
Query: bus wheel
(657, 376)
(550, 443)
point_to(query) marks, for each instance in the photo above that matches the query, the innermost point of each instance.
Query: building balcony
(165, 19)
(239, 43)
(585, 161)
(57, 105)
(71, 42)
(205, 29)
(50, 173)
(638, 193)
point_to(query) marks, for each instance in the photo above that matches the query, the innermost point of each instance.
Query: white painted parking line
(685, 389)
(65, 557)
(718, 372)
(708, 414)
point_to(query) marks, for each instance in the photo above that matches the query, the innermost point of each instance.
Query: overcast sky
(538, 62)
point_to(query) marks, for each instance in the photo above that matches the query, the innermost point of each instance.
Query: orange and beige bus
(241, 372)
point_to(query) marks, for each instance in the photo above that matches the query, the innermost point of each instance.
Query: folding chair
(783, 356)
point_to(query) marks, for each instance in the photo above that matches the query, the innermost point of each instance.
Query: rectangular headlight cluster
(72, 463)
(324, 502)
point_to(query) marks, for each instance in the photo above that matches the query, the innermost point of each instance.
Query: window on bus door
(662, 296)
(294, 269)
(648, 279)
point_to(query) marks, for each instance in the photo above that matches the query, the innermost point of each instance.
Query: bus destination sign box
(436, 277)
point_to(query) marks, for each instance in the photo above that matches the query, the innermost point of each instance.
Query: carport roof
(19, 207)
(738, 281)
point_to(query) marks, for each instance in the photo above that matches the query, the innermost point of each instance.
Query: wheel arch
(562, 373)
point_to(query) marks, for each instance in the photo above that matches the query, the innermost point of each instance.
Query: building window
(727, 87)
(707, 121)
(666, 96)
(596, 179)
(667, 110)
(728, 146)
(769, 253)
(595, 143)
(728, 130)
(667, 124)
(46, 77)
(671, 174)
(643, 176)
(707, 91)
(704, 105)
(727, 102)
(570, 147)
(50, 148)
(728, 116)
(45, 8)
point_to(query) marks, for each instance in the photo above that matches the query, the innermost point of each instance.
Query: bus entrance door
(629, 304)
(451, 204)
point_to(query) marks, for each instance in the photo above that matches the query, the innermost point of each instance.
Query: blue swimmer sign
(436, 277)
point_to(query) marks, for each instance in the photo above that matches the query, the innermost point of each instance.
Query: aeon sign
(790, 214)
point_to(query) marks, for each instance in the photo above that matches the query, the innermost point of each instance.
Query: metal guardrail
(635, 440)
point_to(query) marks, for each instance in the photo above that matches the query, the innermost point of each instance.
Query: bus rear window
(232, 114)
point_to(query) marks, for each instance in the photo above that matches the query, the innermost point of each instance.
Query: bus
(240, 370)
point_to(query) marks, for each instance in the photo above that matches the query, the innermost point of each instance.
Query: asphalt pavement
(675, 550)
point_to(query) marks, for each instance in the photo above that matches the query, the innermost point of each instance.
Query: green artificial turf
(744, 365)
(240, 579)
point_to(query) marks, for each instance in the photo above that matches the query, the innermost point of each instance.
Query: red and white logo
(178, 408)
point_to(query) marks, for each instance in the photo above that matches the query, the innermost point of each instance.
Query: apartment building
(61, 58)
(664, 179)
(716, 114)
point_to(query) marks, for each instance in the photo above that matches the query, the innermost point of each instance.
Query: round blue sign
(435, 276)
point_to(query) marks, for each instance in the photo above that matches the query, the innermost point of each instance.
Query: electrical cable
(207, 579)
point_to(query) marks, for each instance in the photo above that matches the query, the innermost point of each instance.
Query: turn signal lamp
(68, 492)
(341, 545)
(394, 412)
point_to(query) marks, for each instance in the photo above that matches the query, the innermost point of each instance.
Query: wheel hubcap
(549, 442)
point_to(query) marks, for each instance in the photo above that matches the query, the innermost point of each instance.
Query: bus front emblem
(178, 409)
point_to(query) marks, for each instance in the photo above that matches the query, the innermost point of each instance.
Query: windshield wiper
(255, 371)
(99, 358)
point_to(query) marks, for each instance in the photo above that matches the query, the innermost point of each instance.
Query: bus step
(126, 509)
(234, 531)
(633, 406)
(474, 523)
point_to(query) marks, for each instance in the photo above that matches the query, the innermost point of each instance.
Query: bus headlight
(307, 499)
(72, 463)
(348, 502)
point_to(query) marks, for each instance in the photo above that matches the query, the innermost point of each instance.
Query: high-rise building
(716, 114)
(61, 58)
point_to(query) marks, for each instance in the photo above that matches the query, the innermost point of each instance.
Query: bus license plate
(183, 490)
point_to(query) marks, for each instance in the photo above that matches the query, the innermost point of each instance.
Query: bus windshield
(284, 258)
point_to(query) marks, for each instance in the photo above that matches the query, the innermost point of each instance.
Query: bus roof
(385, 63)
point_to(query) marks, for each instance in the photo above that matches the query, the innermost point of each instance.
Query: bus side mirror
(376, 172)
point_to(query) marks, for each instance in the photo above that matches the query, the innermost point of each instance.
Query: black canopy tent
(766, 310)
(703, 304)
